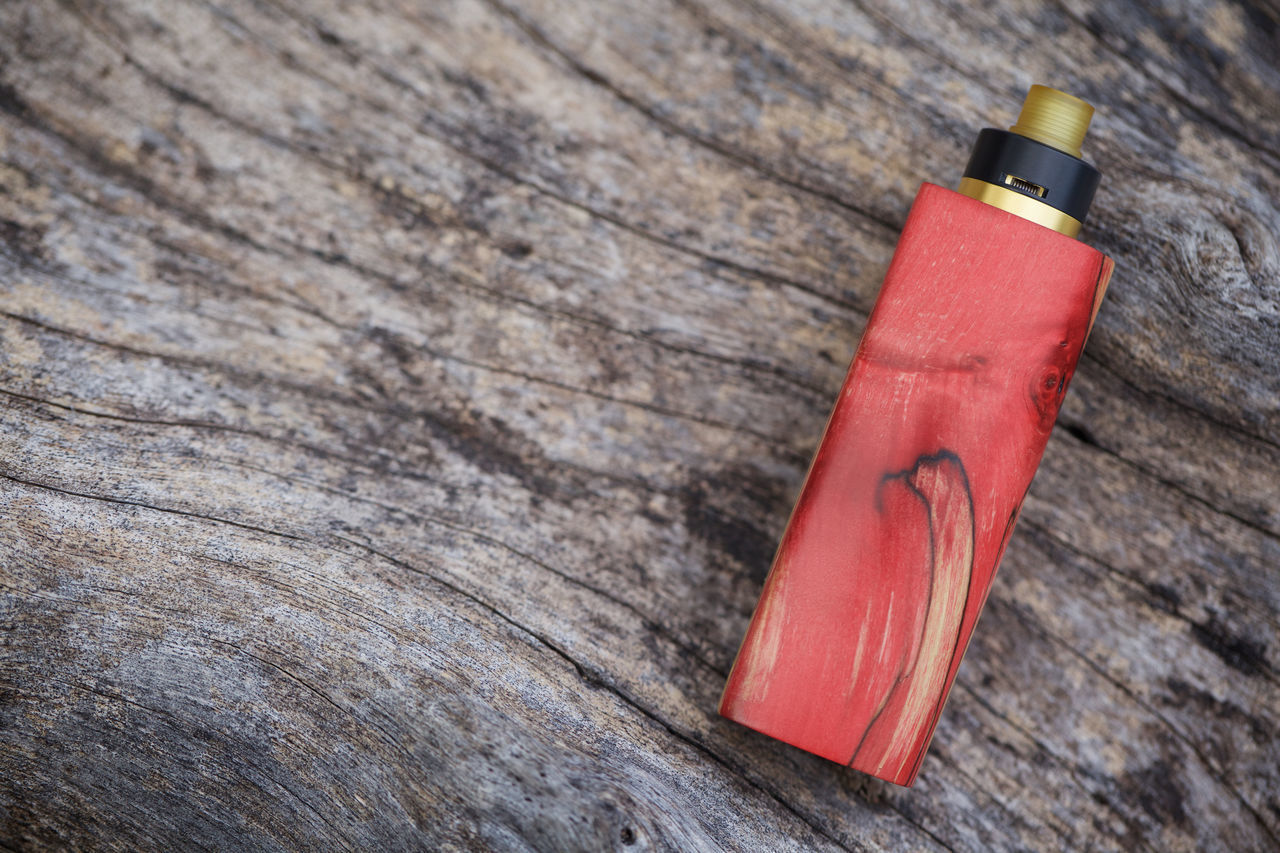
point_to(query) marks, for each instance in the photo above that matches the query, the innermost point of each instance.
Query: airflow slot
(1025, 186)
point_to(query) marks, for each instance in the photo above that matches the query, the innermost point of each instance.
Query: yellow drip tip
(1055, 118)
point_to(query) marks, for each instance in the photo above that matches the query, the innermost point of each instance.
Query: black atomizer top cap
(1022, 164)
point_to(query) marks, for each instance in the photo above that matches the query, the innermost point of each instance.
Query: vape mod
(922, 468)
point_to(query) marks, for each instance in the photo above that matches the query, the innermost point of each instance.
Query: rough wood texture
(402, 402)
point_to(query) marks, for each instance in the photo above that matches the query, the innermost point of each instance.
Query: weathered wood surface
(402, 402)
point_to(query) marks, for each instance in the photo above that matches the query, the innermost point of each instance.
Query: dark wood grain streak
(401, 404)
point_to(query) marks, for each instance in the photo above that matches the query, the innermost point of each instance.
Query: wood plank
(402, 403)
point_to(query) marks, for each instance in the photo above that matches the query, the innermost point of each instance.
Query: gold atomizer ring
(1020, 205)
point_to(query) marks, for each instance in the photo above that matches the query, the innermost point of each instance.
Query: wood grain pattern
(915, 488)
(402, 403)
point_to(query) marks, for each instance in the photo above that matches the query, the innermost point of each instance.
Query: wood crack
(1265, 669)
(269, 379)
(674, 128)
(1172, 486)
(649, 622)
(474, 156)
(1073, 769)
(594, 679)
(1175, 402)
(142, 505)
(1032, 623)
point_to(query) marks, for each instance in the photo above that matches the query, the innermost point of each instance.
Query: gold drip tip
(1055, 118)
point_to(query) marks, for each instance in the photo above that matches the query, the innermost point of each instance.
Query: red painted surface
(916, 485)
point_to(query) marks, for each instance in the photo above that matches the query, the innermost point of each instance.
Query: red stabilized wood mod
(920, 474)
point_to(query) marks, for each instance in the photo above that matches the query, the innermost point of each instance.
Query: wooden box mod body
(916, 485)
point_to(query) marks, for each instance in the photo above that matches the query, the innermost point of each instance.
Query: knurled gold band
(1020, 205)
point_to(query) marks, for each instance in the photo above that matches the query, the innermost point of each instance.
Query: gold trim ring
(1020, 205)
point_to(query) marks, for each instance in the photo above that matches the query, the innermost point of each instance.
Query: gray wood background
(402, 402)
